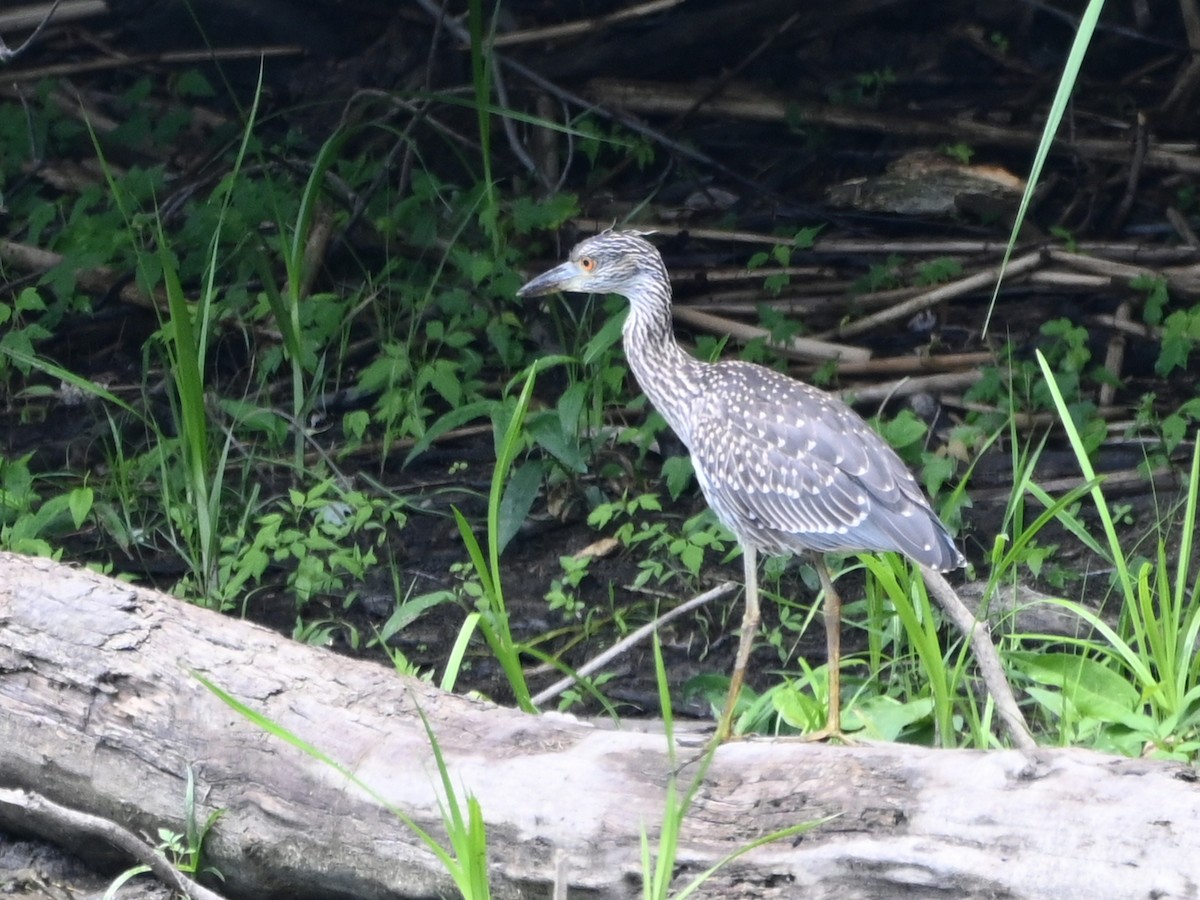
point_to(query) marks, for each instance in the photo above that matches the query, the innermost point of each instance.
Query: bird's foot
(830, 733)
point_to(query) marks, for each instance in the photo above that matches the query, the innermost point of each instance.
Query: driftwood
(100, 712)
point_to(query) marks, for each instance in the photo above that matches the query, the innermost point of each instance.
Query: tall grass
(1155, 644)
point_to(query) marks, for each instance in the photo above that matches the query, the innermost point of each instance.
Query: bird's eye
(587, 264)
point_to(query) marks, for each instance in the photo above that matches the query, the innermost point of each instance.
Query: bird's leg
(833, 646)
(749, 631)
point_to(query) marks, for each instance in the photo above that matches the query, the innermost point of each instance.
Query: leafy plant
(667, 553)
(562, 590)
(184, 851)
(196, 510)
(781, 255)
(866, 89)
(317, 535)
(959, 152)
(1157, 638)
(27, 523)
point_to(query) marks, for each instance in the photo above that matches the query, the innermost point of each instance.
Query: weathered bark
(99, 711)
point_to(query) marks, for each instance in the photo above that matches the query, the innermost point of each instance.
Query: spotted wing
(788, 467)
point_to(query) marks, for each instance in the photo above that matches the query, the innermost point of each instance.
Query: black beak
(560, 278)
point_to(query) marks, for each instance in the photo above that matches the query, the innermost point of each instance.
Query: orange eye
(587, 264)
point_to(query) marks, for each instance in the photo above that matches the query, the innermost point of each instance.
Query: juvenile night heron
(785, 467)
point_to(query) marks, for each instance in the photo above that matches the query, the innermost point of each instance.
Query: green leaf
(1156, 297)
(677, 472)
(519, 494)
(570, 407)
(80, 503)
(884, 718)
(907, 428)
(798, 708)
(192, 84)
(1177, 343)
(546, 431)
(937, 470)
(444, 377)
(451, 420)
(410, 610)
(806, 238)
(603, 340)
(29, 300)
(542, 215)
(354, 424)
(692, 558)
(1094, 689)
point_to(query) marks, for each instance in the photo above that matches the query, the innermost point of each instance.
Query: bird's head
(612, 262)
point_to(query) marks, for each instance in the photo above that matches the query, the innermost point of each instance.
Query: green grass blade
(56, 371)
(922, 633)
(1058, 107)
(1187, 534)
(478, 561)
(1089, 473)
(458, 652)
(509, 445)
(275, 729)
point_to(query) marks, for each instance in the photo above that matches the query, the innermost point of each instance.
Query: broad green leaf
(519, 494)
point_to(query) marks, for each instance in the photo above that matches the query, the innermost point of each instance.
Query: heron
(785, 466)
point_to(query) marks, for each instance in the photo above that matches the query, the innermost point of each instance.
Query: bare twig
(906, 387)
(590, 27)
(47, 811)
(1140, 139)
(169, 58)
(1178, 156)
(634, 125)
(1114, 359)
(802, 348)
(842, 246)
(986, 657)
(7, 55)
(622, 646)
(932, 298)
(99, 280)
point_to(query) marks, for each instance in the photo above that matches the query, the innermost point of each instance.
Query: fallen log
(100, 711)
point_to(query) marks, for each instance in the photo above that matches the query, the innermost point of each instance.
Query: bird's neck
(669, 376)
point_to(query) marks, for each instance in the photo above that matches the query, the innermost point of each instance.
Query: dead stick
(803, 348)
(915, 384)
(933, 298)
(590, 27)
(980, 638)
(44, 810)
(621, 646)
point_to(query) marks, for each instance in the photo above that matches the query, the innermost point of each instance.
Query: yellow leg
(750, 622)
(833, 647)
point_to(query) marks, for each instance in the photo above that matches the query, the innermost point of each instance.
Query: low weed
(29, 524)
(185, 852)
(324, 538)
